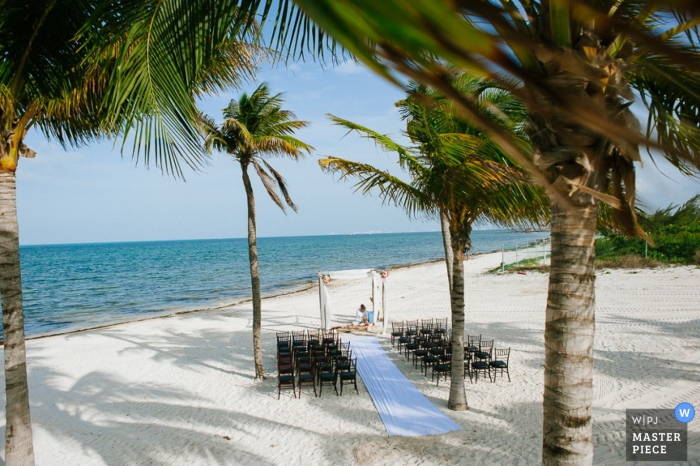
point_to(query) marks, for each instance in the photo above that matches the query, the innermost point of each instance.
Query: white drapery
(379, 301)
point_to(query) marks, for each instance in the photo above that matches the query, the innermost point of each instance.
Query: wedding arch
(379, 298)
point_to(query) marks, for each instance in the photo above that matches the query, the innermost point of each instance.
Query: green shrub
(630, 261)
(675, 232)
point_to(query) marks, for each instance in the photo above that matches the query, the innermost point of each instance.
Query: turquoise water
(76, 286)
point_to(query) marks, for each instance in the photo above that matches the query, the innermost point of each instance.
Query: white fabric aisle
(403, 409)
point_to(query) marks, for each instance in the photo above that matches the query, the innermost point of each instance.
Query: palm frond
(407, 160)
(269, 183)
(423, 40)
(44, 81)
(238, 135)
(383, 141)
(390, 189)
(212, 134)
(672, 96)
(282, 185)
(164, 55)
(285, 146)
(256, 127)
(296, 34)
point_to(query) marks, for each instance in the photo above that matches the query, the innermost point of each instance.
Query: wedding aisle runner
(403, 409)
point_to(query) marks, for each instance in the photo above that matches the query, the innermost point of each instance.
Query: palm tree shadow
(119, 422)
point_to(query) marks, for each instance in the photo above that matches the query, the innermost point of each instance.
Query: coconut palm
(256, 127)
(33, 91)
(457, 174)
(77, 70)
(579, 65)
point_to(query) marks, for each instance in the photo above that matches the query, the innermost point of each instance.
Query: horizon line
(367, 233)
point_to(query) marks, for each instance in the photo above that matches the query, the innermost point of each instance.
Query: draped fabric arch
(379, 295)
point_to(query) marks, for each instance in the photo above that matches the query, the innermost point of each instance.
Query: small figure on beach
(361, 315)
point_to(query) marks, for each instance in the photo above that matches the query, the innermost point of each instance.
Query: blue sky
(92, 194)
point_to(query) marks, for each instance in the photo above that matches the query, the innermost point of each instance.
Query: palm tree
(33, 90)
(459, 175)
(255, 127)
(578, 65)
(77, 70)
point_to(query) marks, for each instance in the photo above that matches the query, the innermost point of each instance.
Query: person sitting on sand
(361, 316)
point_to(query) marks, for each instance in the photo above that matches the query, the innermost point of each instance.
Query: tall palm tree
(34, 90)
(579, 65)
(77, 70)
(254, 128)
(457, 174)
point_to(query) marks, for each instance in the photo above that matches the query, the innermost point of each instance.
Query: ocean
(75, 286)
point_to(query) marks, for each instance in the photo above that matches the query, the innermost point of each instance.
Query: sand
(180, 391)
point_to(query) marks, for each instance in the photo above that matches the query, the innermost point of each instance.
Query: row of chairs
(480, 356)
(315, 359)
(434, 351)
(403, 330)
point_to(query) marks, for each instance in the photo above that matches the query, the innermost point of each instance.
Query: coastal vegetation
(674, 231)
(77, 71)
(577, 66)
(256, 128)
(458, 174)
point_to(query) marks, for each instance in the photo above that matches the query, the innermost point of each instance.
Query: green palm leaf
(390, 189)
(166, 53)
(255, 127)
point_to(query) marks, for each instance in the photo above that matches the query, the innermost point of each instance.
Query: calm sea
(75, 286)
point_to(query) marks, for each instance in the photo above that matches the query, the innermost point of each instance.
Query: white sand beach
(180, 391)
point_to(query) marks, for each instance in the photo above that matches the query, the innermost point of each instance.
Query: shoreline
(181, 390)
(105, 290)
(281, 293)
(167, 314)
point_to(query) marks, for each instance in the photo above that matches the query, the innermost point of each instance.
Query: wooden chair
(285, 374)
(306, 374)
(482, 358)
(314, 340)
(284, 342)
(325, 374)
(397, 330)
(403, 339)
(426, 326)
(472, 343)
(443, 366)
(411, 346)
(299, 339)
(440, 326)
(485, 350)
(480, 366)
(501, 358)
(411, 327)
(329, 337)
(347, 375)
(422, 350)
(430, 359)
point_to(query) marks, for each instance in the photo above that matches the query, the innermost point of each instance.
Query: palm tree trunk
(254, 275)
(458, 397)
(447, 244)
(569, 327)
(19, 449)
